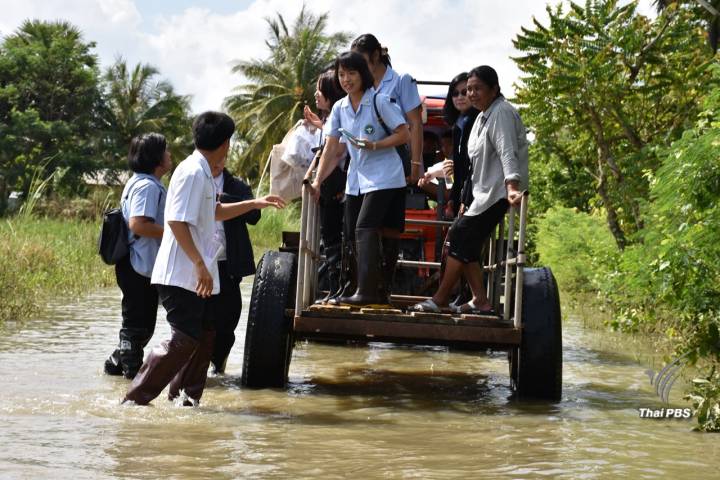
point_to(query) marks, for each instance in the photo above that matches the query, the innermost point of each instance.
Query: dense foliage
(602, 87)
(626, 116)
(49, 96)
(135, 102)
(60, 116)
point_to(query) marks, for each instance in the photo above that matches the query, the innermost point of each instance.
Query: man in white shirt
(186, 271)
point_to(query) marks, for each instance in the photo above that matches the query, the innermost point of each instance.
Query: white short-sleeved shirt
(401, 88)
(191, 198)
(369, 170)
(143, 196)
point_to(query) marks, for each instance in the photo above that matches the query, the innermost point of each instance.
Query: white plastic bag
(298, 151)
(285, 179)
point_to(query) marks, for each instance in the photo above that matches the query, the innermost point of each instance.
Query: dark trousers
(139, 306)
(186, 312)
(331, 208)
(224, 309)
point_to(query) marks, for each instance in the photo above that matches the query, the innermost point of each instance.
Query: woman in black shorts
(498, 150)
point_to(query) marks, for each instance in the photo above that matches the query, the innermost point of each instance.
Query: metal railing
(505, 258)
(308, 252)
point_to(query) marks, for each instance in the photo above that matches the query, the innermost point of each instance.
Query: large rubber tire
(269, 338)
(536, 366)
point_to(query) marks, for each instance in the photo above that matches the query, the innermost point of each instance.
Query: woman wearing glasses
(460, 114)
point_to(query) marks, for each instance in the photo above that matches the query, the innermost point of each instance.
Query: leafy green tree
(49, 96)
(135, 102)
(602, 88)
(280, 85)
(709, 10)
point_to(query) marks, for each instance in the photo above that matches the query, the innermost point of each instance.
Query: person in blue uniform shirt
(403, 92)
(142, 204)
(375, 186)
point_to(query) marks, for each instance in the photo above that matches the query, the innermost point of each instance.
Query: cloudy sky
(195, 43)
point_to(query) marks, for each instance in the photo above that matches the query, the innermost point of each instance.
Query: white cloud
(120, 11)
(194, 49)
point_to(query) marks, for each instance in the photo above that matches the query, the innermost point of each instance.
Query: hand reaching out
(270, 201)
(425, 179)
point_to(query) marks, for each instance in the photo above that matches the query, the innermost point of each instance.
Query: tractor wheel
(536, 366)
(269, 336)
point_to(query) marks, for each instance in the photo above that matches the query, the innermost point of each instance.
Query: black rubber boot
(112, 364)
(390, 252)
(333, 261)
(368, 268)
(348, 275)
(127, 358)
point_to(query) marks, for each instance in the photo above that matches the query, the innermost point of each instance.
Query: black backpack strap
(379, 117)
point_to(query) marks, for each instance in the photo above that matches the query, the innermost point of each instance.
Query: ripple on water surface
(372, 411)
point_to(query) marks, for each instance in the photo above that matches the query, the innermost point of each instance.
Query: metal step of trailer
(395, 325)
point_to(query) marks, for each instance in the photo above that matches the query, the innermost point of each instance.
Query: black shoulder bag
(403, 149)
(113, 243)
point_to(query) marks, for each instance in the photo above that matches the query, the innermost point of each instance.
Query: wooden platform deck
(395, 325)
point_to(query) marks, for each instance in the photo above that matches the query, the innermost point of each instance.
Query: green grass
(267, 234)
(41, 258)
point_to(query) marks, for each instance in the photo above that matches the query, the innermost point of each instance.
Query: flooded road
(351, 412)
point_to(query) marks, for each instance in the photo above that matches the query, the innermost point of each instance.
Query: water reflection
(367, 411)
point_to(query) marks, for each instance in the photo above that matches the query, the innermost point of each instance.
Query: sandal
(426, 306)
(470, 308)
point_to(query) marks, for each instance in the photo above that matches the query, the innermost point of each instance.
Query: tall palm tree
(136, 103)
(280, 85)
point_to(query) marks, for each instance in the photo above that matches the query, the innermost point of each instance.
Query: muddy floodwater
(376, 411)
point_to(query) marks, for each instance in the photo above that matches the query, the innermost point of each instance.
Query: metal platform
(394, 325)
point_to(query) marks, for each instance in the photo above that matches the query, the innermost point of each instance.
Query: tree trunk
(612, 217)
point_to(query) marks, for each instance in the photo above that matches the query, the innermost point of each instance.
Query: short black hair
(486, 75)
(212, 129)
(355, 62)
(146, 152)
(367, 43)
